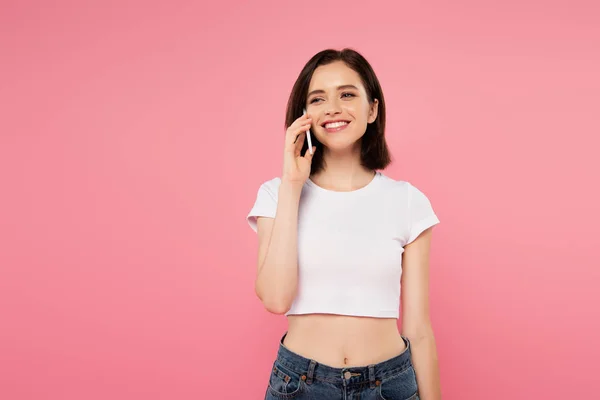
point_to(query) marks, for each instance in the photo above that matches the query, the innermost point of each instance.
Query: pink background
(134, 136)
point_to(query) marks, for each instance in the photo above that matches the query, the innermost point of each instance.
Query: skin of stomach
(342, 341)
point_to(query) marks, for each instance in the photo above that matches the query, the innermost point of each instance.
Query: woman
(338, 240)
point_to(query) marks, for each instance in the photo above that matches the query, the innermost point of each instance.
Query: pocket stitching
(287, 395)
(284, 395)
(380, 387)
(387, 378)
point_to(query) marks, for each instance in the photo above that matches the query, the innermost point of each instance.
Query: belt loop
(372, 376)
(311, 371)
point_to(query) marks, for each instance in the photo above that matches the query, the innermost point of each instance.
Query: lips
(336, 129)
(331, 122)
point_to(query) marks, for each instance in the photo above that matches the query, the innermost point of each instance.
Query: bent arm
(277, 268)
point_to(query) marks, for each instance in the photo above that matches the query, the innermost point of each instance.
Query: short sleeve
(422, 215)
(265, 204)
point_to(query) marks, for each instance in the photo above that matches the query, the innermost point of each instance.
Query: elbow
(272, 304)
(277, 307)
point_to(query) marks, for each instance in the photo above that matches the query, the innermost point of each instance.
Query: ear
(373, 111)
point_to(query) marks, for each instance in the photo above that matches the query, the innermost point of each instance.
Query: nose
(333, 108)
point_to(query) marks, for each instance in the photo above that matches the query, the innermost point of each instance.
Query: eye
(343, 94)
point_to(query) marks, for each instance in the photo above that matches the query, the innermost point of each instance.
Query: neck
(343, 171)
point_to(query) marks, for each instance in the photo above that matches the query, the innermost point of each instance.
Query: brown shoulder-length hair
(374, 150)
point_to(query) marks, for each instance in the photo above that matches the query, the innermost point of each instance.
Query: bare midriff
(342, 341)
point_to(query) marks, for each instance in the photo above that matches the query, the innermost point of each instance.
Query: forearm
(278, 275)
(425, 362)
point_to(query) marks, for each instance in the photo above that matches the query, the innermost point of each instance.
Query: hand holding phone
(310, 146)
(297, 167)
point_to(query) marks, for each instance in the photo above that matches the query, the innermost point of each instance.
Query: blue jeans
(296, 377)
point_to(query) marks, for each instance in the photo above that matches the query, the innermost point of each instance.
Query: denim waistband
(313, 370)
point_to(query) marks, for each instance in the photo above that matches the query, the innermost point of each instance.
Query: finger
(293, 134)
(299, 143)
(303, 117)
(299, 123)
(309, 156)
(298, 136)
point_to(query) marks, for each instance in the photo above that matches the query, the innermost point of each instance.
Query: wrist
(291, 186)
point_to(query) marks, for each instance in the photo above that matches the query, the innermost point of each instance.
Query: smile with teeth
(335, 124)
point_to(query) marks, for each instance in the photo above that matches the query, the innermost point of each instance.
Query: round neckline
(347, 192)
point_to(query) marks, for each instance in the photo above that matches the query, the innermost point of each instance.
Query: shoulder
(395, 186)
(271, 186)
(402, 192)
(400, 186)
(266, 202)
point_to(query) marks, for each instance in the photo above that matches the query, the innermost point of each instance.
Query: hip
(294, 376)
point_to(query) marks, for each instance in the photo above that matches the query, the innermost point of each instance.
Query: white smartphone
(308, 135)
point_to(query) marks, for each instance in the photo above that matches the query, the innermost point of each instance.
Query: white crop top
(350, 244)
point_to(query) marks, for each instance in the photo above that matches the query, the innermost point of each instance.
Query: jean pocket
(401, 386)
(284, 383)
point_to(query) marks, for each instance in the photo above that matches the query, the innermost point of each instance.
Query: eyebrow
(338, 88)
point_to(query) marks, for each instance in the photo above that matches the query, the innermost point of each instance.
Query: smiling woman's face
(337, 93)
